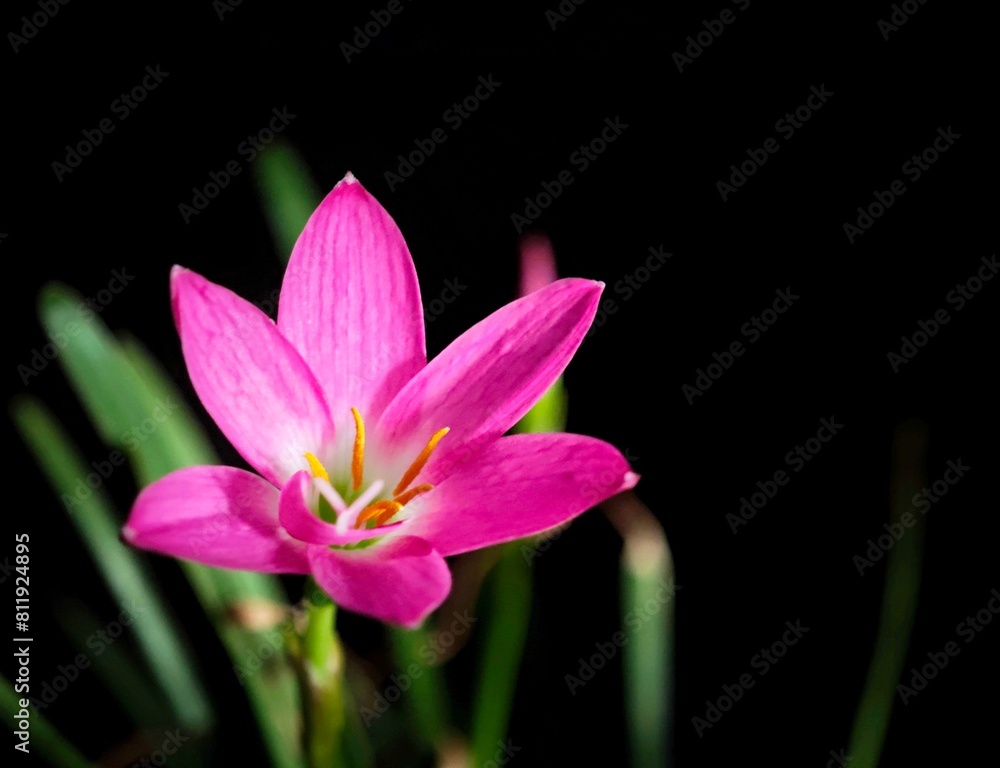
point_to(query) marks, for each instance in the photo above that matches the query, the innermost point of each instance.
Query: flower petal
(518, 486)
(399, 580)
(350, 303)
(251, 381)
(491, 375)
(219, 516)
(297, 517)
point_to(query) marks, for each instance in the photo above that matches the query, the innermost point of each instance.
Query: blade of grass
(647, 577)
(116, 667)
(899, 603)
(126, 576)
(120, 401)
(507, 614)
(506, 630)
(289, 194)
(428, 694)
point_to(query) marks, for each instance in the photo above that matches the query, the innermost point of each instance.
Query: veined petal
(491, 375)
(350, 303)
(518, 486)
(219, 516)
(297, 517)
(250, 379)
(400, 580)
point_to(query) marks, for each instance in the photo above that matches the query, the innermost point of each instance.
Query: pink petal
(251, 381)
(350, 303)
(538, 263)
(491, 375)
(518, 486)
(399, 580)
(297, 517)
(218, 516)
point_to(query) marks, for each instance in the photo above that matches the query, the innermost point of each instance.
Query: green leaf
(506, 630)
(289, 194)
(136, 407)
(126, 575)
(899, 603)
(647, 656)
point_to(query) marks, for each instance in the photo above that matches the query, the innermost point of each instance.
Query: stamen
(331, 495)
(380, 511)
(316, 467)
(386, 516)
(405, 498)
(416, 466)
(358, 459)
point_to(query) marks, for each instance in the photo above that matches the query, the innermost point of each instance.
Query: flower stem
(322, 676)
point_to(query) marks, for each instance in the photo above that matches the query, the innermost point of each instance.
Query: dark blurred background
(561, 76)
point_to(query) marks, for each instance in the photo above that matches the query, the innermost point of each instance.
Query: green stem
(322, 673)
(506, 631)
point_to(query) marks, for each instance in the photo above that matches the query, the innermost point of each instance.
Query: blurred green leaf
(126, 395)
(129, 581)
(899, 603)
(549, 414)
(647, 577)
(117, 668)
(427, 698)
(289, 194)
(506, 630)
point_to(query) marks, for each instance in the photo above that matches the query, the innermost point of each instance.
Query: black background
(654, 186)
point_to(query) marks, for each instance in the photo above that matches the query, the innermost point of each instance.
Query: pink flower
(374, 465)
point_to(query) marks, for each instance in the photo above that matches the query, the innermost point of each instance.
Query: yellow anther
(358, 459)
(405, 498)
(416, 466)
(317, 468)
(379, 511)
